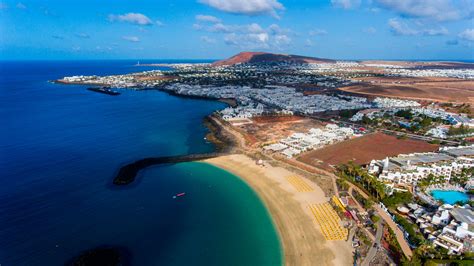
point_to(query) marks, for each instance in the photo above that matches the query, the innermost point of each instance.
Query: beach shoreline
(301, 240)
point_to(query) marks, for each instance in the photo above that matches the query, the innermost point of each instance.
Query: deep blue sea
(60, 147)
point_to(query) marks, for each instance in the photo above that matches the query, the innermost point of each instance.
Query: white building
(314, 139)
(409, 169)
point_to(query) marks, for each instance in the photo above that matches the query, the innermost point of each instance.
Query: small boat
(179, 195)
(104, 90)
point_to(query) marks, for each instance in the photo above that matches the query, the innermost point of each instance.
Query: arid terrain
(265, 130)
(430, 89)
(364, 149)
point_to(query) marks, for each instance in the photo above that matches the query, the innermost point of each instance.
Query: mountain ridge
(263, 57)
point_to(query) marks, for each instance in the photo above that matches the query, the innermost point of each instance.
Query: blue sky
(199, 29)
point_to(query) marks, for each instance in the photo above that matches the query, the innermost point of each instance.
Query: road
(373, 250)
(390, 132)
(388, 220)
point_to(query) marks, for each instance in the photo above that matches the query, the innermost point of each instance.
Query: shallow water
(60, 147)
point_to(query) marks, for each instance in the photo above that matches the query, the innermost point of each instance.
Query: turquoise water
(61, 146)
(449, 196)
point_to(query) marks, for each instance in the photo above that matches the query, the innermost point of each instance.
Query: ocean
(61, 146)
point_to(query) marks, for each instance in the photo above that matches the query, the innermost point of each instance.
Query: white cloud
(219, 27)
(440, 10)
(159, 23)
(248, 36)
(224, 28)
(308, 43)
(103, 49)
(246, 7)
(401, 28)
(248, 41)
(467, 35)
(3, 6)
(131, 38)
(76, 48)
(20, 6)
(317, 32)
(207, 39)
(207, 18)
(282, 39)
(83, 35)
(370, 30)
(346, 4)
(436, 32)
(197, 26)
(254, 28)
(133, 18)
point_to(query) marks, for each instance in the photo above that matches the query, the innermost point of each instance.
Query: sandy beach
(301, 238)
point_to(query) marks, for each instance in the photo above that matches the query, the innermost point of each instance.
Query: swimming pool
(449, 196)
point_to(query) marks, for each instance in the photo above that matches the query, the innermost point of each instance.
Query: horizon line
(214, 59)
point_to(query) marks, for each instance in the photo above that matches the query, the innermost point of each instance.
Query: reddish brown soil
(431, 89)
(274, 119)
(364, 149)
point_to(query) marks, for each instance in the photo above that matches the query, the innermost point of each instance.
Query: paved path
(373, 250)
(398, 233)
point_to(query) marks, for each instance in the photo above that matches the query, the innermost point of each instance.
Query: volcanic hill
(262, 57)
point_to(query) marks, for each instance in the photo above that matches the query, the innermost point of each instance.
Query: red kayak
(179, 195)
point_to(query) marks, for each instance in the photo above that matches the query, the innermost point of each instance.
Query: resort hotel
(409, 169)
(450, 227)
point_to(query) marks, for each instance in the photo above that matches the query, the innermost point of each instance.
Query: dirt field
(275, 119)
(363, 149)
(271, 129)
(432, 89)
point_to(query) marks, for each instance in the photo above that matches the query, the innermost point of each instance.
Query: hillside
(262, 57)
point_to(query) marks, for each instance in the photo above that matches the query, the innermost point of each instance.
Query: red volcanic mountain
(261, 57)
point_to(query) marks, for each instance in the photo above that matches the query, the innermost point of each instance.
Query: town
(399, 169)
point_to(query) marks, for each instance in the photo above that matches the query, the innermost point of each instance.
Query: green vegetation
(375, 218)
(462, 177)
(404, 136)
(431, 180)
(397, 198)
(407, 114)
(461, 130)
(449, 262)
(427, 254)
(347, 113)
(342, 184)
(369, 183)
(392, 242)
(363, 238)
(426, 122)
(366, 120)
(465, 108)
(413, 236)
(368, 203)
(435, 141)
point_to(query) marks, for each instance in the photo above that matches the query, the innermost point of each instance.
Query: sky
(215, 29)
